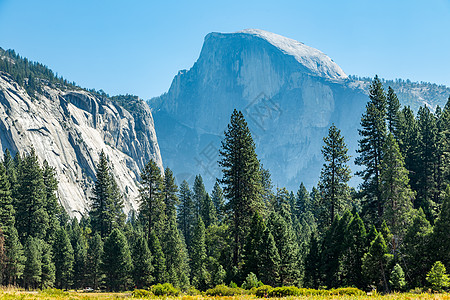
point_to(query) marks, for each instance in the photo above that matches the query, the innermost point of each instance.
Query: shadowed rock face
(289, 93)
(69, 129)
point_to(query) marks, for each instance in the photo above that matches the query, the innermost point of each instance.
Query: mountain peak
(314, 60)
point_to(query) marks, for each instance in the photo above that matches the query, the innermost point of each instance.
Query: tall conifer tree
(393, 113)
(107, 204)
(241, 180)
(396, 194)
(151, 201)
(186, 213)
(170, 191)
(177, 265)
(373, 134)
(335, 173)
(63, 257)
(94, 259)
(142, 262)
(199, 273)
(159, 260)
(116, 263)
(31, 216)
(219, 201)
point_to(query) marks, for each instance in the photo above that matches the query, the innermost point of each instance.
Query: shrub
(347, 291)
(284, 291)
(263, 291)
(437, 277)
(192, 291)
(223, 290)
(233, 285)
(309, 292)
(165, 289)
(139, 293)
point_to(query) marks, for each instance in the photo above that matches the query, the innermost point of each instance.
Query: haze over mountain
(69, 127)
(289, 93)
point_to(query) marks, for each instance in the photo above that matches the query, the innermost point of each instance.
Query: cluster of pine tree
(29, 74)
(387, 235)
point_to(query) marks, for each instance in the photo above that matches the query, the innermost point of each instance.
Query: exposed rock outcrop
(69, 128)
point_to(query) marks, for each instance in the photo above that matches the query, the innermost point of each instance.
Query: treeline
(391, 234)
(29, 74)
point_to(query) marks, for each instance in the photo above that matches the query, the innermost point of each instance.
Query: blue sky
(137, 47)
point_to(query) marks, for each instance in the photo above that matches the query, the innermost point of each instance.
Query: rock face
(289, 93)
(69, 128)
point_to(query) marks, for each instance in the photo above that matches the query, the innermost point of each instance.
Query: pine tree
(373, 134)
(393, 113)
(305, 224)
(13, 254)
(241, 180)
(267, 194)
(33, 263)
(94, 260)
(152, 206)
(353, 252)
(333, 249)
(209, 211)
(409, 144)
(117, 263)
(440, 240)
(48, 268)
(199, 273)
(186, 213)
(176, 256)
(269, 259)
(63, 257)
(159, 260)
(312, 277)
(444, 148)
(199, 196)
(416, 249)
(7, 212)
(107, 204)
(217, 272)
(282, 204)
(375, 263)
(288, 251)
(80, 265)
(14, 263)
(253, 246)
(427, 164)
(219, 201)
(303, 203)
(443, 155)
(11, 169)
(142, 263)
(31, 216)
(335, 173)
(396, 195)
(52, 206)
(170, 191)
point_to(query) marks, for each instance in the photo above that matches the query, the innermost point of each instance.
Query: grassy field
(19, 294)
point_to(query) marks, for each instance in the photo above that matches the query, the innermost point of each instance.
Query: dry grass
(14, 293)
